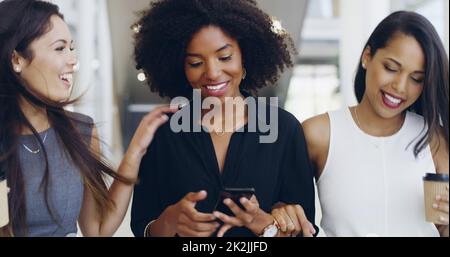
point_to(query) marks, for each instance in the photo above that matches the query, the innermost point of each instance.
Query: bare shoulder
(439, 150)
(317, 133)
(317, 128)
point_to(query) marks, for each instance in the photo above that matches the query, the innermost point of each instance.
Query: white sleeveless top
(372, 186)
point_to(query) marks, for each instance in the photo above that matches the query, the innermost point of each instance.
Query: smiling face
(50, 72)
(214, 63)
(395, 75)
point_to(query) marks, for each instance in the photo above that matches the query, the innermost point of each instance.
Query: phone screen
(235, 194)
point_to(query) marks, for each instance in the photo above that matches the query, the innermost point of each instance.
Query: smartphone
(235, 194)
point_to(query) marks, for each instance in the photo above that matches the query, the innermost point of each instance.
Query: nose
(72, 59)
(400, 84)
(213, 71)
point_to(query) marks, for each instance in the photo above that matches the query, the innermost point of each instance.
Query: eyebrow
(399, 64)
(219, 50)
(61, 40)
(393, 60)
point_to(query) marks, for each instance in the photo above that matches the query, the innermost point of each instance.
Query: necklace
(357, 119)
(39, 149)
(219, 133)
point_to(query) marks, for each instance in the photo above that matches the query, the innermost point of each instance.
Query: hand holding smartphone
(235, 194)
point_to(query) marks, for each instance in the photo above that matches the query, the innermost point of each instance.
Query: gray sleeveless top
(65, 188)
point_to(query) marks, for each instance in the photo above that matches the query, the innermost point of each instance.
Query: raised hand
(147, 128)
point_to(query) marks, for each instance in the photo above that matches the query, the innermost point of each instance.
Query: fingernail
(441, 218)
(435, 206)
(243, 200)
(165, 117)
(227, 201)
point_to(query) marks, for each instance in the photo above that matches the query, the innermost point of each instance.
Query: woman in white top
(370, 159)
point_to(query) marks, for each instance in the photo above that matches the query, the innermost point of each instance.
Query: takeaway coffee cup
(434, 185)
(4, 211)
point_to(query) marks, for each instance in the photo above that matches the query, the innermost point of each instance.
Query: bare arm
(317, 134)
(292, 218)
(439, 149)
(120, 193)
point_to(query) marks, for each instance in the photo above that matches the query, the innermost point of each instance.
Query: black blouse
(179, 163)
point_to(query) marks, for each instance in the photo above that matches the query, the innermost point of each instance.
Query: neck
(237, 118)
(373, 124)
(37, 116)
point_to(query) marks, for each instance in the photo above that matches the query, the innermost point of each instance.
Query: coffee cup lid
(436, 177)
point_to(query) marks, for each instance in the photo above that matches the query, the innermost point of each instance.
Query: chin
(389, 114)
(60, 99)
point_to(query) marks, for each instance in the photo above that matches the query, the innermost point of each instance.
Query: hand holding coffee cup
(4, 210)
(436, 192)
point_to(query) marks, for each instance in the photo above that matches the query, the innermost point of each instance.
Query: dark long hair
(433, 103)
(21, 22)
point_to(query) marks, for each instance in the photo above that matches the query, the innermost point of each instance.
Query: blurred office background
(329, 35)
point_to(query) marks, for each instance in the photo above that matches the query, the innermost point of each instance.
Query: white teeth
(67, 76)
(216, 88)
(393, 99)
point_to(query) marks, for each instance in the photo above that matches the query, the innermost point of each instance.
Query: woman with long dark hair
(51, 157)
(370, 159)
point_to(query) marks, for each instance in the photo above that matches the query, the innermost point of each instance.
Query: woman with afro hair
(221, 49)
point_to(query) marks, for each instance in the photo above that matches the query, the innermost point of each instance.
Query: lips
(217, 90)
(67, 79)
(391, 101)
